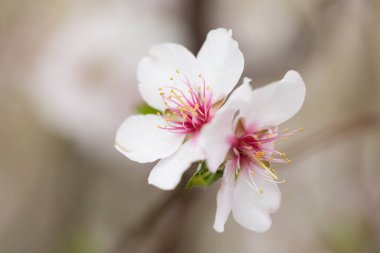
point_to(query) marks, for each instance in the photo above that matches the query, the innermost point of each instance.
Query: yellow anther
(301, 129)
(162, 94)
(160, 89)
(264, 166)
(177, 71)
(261, 191)
(171, 78)
(208, 87)
(283, 155)
(158, 114)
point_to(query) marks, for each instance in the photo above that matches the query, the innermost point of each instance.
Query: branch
(333, 133)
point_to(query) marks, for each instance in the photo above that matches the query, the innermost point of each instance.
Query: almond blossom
(187, 90)
(242, 136)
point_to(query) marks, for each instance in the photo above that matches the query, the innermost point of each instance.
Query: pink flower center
(186, 112)
(254, 152)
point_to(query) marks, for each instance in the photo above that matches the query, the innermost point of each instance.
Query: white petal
(139, 139)
(252, 209)
(240, 97)
(168, 172)
(214, 138)
(156, 70)
(224, 198)
(277, 102)
(221, 62)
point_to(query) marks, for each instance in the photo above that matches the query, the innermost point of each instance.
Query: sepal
(203, 177)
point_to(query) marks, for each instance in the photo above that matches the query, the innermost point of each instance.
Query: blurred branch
(175, 229)
(335, 132)
(130, 237)
(194, 11)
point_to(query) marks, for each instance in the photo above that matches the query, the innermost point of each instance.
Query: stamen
(248, 150)
(186, 112)
(252, 182)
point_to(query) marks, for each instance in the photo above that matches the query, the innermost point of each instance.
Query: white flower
(187, 90)
(246, 144)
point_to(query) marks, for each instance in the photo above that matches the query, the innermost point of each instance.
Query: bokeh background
(67, 80)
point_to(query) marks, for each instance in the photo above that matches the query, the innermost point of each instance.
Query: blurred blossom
(85, 81)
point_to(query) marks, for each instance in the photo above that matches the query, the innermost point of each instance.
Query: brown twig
(132, 235)
(195, 15)
(174, 230)
(334, 132)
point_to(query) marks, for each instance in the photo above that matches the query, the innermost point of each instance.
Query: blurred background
(67, 81)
